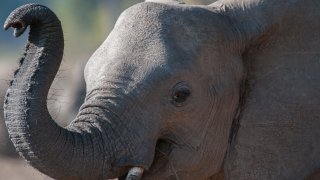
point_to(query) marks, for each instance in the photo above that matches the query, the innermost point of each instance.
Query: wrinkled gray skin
(65, 97)
(179, 90)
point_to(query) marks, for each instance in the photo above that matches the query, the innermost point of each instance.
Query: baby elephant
(177, 92)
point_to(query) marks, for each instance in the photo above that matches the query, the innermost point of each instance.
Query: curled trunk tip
(18, 27)
(22, 17)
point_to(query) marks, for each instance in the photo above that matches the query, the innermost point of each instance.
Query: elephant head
(162, 92)
(155, 99)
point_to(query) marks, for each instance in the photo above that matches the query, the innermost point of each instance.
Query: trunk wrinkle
(74, 152)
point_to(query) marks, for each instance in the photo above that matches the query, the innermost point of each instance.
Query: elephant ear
(167, 1)
(277, 133)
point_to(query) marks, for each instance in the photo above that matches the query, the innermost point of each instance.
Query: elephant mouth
(160, 162)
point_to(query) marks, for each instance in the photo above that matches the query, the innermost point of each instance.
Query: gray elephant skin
(179, 91)
(63, 103)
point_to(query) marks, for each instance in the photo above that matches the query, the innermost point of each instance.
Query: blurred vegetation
(86, 23)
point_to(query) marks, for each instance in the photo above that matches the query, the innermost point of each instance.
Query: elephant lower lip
(163, 148)
(161, 159)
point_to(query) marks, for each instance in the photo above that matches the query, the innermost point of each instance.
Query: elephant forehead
(119, 61)
(170, 21)
(131, 70)
(145, 39)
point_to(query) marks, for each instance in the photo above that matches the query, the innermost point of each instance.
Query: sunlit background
(86, 24)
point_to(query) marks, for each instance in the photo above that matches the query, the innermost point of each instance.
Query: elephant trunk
(62, 153)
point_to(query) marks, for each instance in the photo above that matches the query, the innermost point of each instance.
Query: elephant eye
(180, 94)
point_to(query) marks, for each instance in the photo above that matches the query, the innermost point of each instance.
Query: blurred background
(86, 24)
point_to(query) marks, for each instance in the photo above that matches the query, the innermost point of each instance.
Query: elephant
(177, 91)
